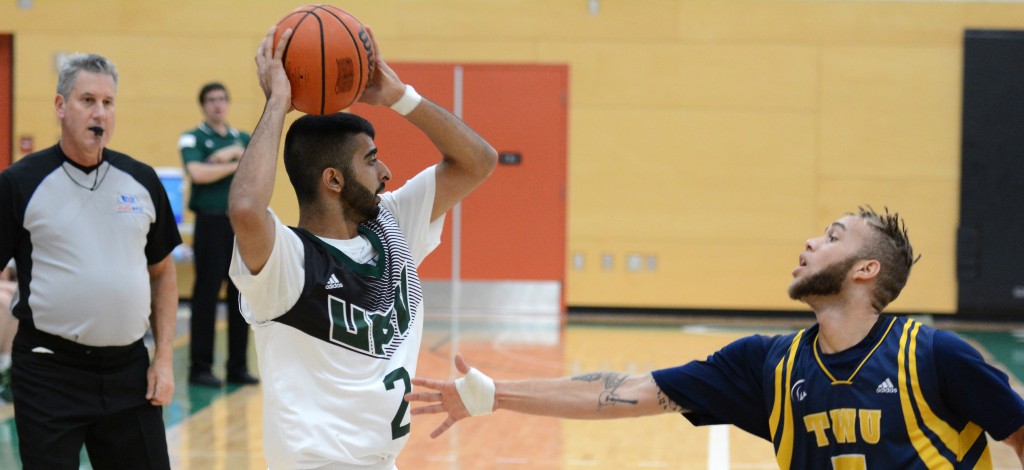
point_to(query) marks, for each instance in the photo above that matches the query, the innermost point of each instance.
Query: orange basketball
(329, 59)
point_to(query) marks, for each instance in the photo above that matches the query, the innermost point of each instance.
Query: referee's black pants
(212, 244)
(67, 395)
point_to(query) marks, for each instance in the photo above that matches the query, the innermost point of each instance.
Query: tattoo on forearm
(666, 403)
(589, 378)
(612, 381)
(610, 398)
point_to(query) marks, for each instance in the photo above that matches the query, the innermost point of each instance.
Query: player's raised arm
(253, 184)
(595, 395)
(466, 158)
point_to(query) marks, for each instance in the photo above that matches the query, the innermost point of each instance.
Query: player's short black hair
(212, 86)
(314, 143)
(890, 245)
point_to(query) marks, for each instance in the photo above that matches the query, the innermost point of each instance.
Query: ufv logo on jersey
(371, 332)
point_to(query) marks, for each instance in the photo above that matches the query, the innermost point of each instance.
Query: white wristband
(477, 392)
(409, 100)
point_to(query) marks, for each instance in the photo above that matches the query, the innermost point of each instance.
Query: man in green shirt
(210, 153)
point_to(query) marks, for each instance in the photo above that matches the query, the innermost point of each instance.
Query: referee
(91, 232)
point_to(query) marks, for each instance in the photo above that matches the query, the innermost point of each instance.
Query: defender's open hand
(445, 399)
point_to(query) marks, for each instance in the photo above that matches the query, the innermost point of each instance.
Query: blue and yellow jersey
(908, 396)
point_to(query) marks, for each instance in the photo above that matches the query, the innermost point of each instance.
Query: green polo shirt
(197, 145)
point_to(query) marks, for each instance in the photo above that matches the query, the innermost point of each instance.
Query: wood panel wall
(707, 139)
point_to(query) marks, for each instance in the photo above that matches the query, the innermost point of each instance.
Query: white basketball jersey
(338, 352)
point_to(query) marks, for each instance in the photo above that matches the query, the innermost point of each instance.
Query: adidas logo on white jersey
(333, 282)
(886, 387)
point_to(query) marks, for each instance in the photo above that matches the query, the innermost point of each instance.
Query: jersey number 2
(397, 430)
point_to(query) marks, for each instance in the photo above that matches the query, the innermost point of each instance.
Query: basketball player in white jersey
(335, 302)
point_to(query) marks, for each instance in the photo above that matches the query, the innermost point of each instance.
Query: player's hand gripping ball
(329, 59)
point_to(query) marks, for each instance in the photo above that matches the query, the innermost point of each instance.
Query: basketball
(329, 59)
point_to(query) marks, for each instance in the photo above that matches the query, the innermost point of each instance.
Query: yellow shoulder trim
(925, 449)
(783, 400)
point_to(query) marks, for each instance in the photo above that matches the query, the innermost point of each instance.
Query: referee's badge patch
(128, 203)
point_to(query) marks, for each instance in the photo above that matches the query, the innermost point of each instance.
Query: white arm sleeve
(277, 287)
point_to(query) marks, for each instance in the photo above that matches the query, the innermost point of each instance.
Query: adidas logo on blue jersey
(886, 387)
(333, 282)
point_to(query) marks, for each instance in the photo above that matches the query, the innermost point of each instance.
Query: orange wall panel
(515, 223)
(514, 226)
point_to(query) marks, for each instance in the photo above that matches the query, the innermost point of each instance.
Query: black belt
(57, 344)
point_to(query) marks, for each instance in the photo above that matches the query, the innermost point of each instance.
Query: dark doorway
(990, 239)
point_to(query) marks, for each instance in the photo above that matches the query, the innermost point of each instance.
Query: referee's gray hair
(75, 63)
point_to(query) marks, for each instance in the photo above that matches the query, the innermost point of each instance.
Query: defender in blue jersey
(858, 389)
(335, 303)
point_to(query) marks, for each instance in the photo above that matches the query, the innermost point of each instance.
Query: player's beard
(358, 201)
(828, 281)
